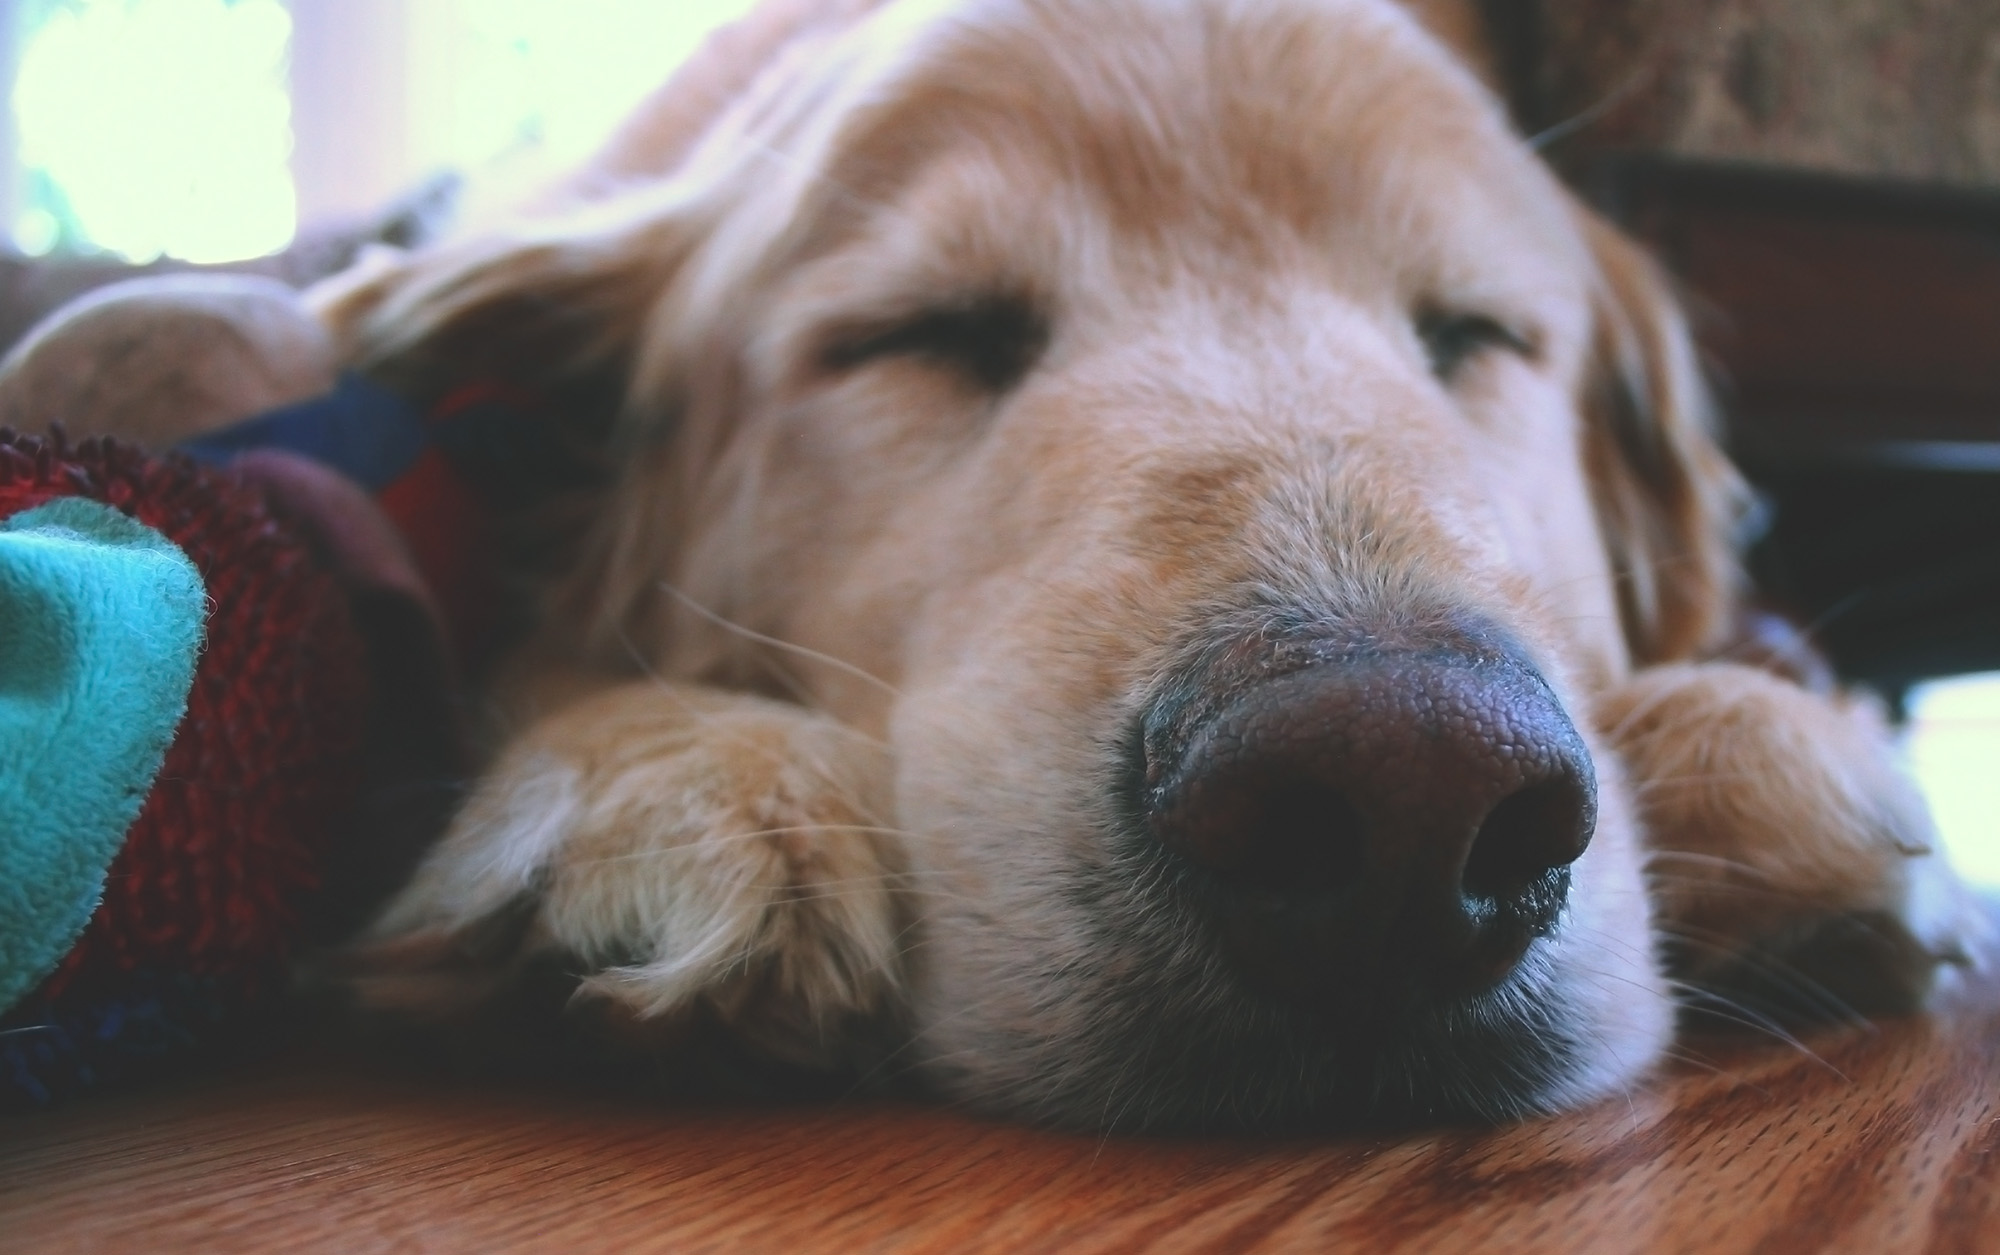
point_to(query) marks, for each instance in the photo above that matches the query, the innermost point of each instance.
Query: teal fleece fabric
(100, 627)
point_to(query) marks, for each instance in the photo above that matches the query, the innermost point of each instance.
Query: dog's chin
(1146, 1029)
(1159, 1059)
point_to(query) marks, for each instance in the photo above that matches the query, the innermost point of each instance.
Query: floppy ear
(581, 302)
(1668, 500)
(547, 302)
(562, 314)
(558, 306)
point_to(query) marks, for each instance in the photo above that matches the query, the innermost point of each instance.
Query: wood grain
(1880, 1138)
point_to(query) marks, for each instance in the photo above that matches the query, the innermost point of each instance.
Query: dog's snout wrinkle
(1382, 825)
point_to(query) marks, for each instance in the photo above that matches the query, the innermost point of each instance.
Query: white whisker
(751, 634)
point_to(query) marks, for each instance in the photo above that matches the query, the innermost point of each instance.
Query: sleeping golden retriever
(1162, 573)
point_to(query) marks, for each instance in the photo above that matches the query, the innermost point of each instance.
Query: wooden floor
(1885, 1141)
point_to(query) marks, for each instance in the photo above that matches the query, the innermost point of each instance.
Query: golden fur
(815, 732)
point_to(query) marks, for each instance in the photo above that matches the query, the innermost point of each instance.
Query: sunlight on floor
(1954, 751)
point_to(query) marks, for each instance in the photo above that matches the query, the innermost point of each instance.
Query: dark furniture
(1854, 330)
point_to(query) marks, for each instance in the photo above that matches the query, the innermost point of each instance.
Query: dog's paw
(1794, 866)
(683, 853)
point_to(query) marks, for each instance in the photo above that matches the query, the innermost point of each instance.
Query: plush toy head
(198, 907)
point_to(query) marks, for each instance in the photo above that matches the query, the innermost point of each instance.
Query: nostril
(1527, 835)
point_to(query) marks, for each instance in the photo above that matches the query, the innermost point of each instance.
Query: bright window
(549, 80)
(1954, 752)
(154, 126)
(167, 127)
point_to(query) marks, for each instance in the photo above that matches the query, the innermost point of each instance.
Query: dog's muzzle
(1370, 828)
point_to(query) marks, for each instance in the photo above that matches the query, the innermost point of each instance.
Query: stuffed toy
(183, 689)
(227, 689)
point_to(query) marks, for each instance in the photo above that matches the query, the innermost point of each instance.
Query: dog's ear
(557, 306)
(604, 300)
(1668, 500)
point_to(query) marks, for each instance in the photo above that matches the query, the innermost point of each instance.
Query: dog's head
(1223, 464)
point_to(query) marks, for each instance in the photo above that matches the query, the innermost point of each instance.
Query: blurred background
(210, 130)
(222, 131)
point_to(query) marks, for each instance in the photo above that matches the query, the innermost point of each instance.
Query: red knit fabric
(212, 874)
(446, 528)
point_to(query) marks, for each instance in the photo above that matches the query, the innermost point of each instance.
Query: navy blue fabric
(137, 1025)
(360, 429)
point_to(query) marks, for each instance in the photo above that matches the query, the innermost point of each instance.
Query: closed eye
(1452, 340)
(991, 340)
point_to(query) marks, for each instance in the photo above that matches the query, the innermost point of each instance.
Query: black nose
(1387, 824)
